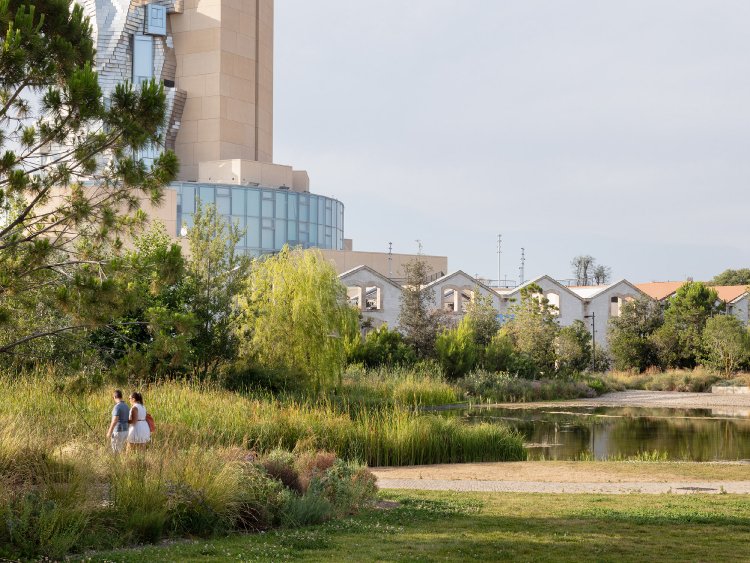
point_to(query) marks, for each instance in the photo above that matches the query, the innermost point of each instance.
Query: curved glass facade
(271, 217)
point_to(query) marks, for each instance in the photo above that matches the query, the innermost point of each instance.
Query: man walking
(118, 428)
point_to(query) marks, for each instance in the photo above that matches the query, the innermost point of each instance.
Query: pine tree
(70, 186)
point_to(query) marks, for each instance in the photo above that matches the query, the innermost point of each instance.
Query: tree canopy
(70, 181)
(732, 277)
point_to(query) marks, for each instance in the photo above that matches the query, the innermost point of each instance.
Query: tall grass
(421, 385)
(697, 380)
(198, 415)
(503, 387)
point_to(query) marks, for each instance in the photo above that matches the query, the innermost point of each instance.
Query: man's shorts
(118, 441)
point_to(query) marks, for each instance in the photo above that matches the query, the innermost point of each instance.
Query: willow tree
(296, 316)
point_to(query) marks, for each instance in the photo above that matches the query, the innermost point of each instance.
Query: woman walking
(139, 433)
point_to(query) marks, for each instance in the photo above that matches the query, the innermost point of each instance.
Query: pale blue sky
(616, 129)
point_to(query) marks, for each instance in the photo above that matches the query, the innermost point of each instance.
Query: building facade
(215, 61)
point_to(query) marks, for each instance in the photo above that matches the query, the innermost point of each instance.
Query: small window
(143, 58)
(156, 20)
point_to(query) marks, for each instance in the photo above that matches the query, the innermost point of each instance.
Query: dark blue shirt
(122, 411)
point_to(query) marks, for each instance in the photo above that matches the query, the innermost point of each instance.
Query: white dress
(139, 433)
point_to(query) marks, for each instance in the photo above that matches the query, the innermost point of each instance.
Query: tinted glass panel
(253, 233)
(280, 235)
(267, 205)
(206, 195)
(313, 209)
(188, 199)
(238, 201)
(280, 205)
(292, 206)
(253, 203)
(267, 239)
(223, 204)
(291, 231)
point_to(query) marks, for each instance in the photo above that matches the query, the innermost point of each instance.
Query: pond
(571, 433)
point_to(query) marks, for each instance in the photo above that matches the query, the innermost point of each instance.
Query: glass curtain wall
(270, 217)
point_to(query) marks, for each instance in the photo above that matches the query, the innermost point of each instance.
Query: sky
(615, 129)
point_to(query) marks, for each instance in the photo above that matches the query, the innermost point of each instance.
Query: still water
(569, 433)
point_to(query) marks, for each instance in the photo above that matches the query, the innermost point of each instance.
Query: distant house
(455, 291)
(735, 297)
(377, 297)
(605, 302)
(569, 305)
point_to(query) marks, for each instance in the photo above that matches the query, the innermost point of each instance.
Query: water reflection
(607, 432)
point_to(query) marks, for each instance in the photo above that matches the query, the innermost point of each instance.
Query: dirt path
(571, 477)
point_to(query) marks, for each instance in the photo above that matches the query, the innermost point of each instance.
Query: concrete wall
(740, 309)
(456, 285)
(345, 260)
(224, 54)
(601, 306)
(570, 305)
(390, 297)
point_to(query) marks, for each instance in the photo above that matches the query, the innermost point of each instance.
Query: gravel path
(730, 404)
(679, 487)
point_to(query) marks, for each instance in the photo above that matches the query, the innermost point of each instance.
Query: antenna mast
(523, 264)
(499, 253)
(390, 259)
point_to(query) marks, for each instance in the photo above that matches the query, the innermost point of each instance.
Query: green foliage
(505, 387)
(65, 216)
(533, 329)
(419, 323)
(733, 277)
(295, 316)
(216, 274)
(456, 350)
(679, 339)
(380, 347)
(481, 318)
(419, 385)
(629, 335)
(573, 349)
(726, 344)
(150, 339)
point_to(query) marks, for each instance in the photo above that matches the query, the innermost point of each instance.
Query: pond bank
(572, 477)
(734, 404)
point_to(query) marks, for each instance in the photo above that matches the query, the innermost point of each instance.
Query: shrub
(456, 350)
(504, 387)
(382, 347)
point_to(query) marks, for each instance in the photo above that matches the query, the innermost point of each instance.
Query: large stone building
(215, 60)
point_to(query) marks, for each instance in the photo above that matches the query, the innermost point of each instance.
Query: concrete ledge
(730, 390)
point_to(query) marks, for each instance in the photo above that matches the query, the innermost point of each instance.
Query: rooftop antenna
(523, 264)
(419, 242)
(499, 253)
(390, 259)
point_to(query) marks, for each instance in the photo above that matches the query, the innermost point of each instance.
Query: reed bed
(190, 415)
(421, 385)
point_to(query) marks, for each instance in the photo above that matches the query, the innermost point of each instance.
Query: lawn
(444, 526)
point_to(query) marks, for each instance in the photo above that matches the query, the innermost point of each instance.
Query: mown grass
(444, 526)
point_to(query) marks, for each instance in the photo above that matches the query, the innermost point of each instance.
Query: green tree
(295, 316)
(70, 186)
(679, 339)
(534, 328)
(573, 349)
(733, 277)
(216, 274)
(481, 317)
(500, 353)
(150, 339)
(457, 351)
(418, 321)
(725, 344)
(629, 335)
